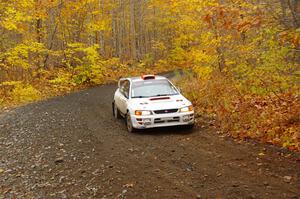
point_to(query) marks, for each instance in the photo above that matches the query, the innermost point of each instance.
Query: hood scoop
(160, 98)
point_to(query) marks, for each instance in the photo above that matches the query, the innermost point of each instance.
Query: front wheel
(129, 125)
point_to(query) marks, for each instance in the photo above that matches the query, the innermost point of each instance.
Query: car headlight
(187, 109)
(140, 113)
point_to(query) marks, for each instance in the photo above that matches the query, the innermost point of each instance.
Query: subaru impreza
(151, 101)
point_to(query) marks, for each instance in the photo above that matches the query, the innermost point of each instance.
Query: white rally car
(151, 101)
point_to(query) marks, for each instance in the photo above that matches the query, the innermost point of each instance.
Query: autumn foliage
(272, 118)
(242, 56)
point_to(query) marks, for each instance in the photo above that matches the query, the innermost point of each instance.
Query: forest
(241, 56)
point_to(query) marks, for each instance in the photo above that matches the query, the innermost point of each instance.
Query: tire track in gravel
(134, 140)
(72, 147)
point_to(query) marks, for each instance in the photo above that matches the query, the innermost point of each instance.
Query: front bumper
(163, 120)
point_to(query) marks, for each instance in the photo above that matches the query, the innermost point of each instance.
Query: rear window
(152, 88)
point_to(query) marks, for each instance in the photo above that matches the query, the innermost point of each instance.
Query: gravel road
(72, 147)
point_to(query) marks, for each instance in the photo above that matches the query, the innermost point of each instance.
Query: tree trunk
(294, 7)
(132, 30)
(38, 30)
(101, 33)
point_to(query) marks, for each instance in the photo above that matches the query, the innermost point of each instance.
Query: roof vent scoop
(146, 77)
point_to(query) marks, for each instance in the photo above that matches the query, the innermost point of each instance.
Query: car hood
(159, 103)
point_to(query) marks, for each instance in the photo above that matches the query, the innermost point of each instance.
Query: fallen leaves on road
(261, 154)
(287, 179)
(128, 185)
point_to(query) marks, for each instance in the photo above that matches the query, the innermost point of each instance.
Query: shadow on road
(179, 130)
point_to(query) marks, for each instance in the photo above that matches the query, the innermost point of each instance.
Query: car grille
(166, 120)
(165, 111)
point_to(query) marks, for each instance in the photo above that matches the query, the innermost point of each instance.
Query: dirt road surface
(72, 147)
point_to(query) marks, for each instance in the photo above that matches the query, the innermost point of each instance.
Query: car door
(118, 94)
(124, 97)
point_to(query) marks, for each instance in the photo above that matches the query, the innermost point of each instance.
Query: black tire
(129, 126)
(115, 110)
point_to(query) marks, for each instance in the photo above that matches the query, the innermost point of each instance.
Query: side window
(126, 89)
(121, 84)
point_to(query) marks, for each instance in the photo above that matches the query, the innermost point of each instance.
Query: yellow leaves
(15, 13)
(10, 83)
(12, 19)
(63, 79)
(201, 57)
(25, 55)
(18, 56)
(89, 54)
(187, 23)
(86, 62)
(100, 25)
(291, 137)
(24, 93)
(25, 4)
(178, 54)
(157, 45)
(203, 72)
(209, 41)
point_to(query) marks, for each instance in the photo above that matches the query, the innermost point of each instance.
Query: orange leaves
(272, 118)
(41, 7)
(248, 23)
(231, 18)
(208, 19)
(292, 37)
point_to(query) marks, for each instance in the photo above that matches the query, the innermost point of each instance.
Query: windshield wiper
(160, 95)
(140, 97)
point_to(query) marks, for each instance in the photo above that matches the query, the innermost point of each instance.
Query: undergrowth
(49, 83)
(271, 117)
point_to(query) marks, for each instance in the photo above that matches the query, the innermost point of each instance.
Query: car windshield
(152, 88)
